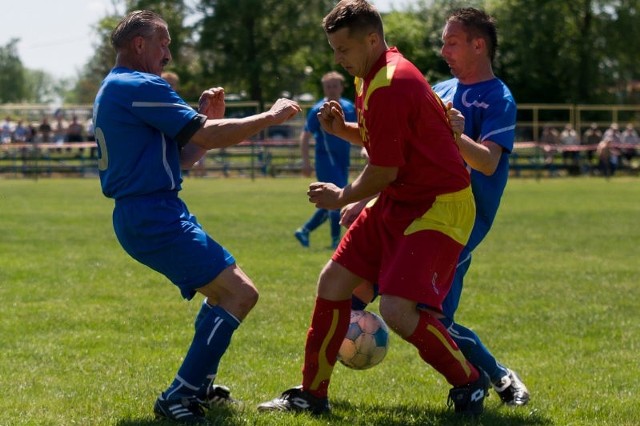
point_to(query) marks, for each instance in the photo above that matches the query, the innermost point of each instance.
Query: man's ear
(373, 38)
(479, 45)
(138, 44)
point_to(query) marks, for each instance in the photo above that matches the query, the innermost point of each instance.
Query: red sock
(329, 325)
(439, 350)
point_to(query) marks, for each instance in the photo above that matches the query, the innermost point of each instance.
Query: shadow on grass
(218, 416)
(406, 415)
(345, 413)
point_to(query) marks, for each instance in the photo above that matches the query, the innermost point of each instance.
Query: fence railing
(280, 157)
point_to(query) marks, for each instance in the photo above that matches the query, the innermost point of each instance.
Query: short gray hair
(137, 23)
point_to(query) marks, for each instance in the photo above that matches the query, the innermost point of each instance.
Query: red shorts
(410, 253)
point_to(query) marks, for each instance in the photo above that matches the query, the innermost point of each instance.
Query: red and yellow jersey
(404, 124)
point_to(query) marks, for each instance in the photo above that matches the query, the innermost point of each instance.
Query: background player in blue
(145, 133)
(332, 156)
(470, 42)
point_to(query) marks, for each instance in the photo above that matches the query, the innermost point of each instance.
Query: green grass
(89, 337)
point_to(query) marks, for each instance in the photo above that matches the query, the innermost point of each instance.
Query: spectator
(7, 130)
(21, 133)
(75, 130)
(607, 157)
(33, 132)
(590, 138)
(45, 130)
(613, 132)
(569, 139)
(60, 129)
(549, 140)
(629, 137)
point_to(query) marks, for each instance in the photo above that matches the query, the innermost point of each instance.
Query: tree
(263, 47)
(12, 79)
(42, 88)
(417, 33)
(620, 21)
(575, 51)
(172, 11)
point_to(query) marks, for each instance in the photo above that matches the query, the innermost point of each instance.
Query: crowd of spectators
(593, 151)
(57, 130)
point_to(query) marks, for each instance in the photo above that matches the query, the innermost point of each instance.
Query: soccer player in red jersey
(409, 239)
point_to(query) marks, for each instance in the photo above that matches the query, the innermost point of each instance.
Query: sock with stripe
(200, 365)
(439, 350)
(472, 348)
(329, 324)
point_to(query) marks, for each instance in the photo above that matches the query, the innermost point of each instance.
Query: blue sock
(205, 308)
(357, 304)
(319, 217)
(200, 365)
(472, 348)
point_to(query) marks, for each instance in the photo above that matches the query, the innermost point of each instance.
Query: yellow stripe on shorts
(452, 214)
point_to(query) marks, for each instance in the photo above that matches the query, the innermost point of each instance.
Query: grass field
(89, 337)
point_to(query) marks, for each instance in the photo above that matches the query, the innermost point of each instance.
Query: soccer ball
(366, 342)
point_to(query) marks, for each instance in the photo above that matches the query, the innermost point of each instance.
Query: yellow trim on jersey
(382, 79)
(324, 368)
(452, 214)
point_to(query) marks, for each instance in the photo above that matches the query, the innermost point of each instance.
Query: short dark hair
(359, 16)
(478, 24)
(137, 23)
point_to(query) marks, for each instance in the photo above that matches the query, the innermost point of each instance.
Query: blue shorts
(158, 231)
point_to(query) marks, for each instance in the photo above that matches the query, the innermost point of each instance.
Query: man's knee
(233, 291)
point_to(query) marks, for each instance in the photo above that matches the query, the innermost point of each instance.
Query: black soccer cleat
(187, 410)
(217, 396)
(469, 399)
(511, 390)
(298, 400)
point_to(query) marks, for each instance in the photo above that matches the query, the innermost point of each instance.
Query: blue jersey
(140, 124)
(332, 153)
(490, 114)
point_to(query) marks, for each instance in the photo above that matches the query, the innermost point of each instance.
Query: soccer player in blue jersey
(332, 156)
(470, 42)
(145, 134)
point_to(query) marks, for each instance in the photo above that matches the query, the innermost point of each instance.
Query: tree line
(550, 51)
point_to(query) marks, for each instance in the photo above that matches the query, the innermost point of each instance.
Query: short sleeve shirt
(140, 124)
(403, 124)
(490, 115)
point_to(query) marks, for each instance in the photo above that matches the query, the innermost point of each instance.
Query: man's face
(332, 89)
(154, 51)
(354, 54)
(457, 50)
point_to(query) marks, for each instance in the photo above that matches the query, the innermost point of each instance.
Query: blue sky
(56, 35)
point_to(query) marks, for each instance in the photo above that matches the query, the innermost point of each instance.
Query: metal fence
(276, 152)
